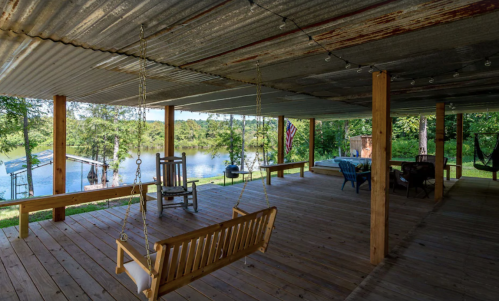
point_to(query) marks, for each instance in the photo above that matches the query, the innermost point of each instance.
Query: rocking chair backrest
(173, 169)
(348, 170)
(185, 258)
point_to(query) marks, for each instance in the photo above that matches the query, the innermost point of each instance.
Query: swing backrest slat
(193, 255)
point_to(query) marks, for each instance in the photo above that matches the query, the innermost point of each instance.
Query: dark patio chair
(414, 174)
(349, 173)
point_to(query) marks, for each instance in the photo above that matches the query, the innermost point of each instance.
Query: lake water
(200, 164)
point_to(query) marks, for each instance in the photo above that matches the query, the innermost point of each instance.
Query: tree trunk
(231, 150)
(242, 147)
(116, 179)
(423, 138)
(27, 149)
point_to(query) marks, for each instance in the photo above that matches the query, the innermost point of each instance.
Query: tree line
(107, 133)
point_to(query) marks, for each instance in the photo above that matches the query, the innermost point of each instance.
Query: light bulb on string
(488, 63)
(283, 24)
(252, 6)
(456, 74)
(347, 65)
(311, 41)
(431, 80)
(371, 69)
(359, 69)
(413, 82)
(328, 58)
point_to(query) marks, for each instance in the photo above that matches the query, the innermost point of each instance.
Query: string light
(283, 24)
(252, 6)
(311, 41)
(328, 58)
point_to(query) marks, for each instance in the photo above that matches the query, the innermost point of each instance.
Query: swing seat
(180, 260)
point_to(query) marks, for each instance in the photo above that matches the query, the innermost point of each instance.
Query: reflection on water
(199, 165)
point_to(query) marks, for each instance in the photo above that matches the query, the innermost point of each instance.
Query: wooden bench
(67, 199)
(283, 166)
(182, 259)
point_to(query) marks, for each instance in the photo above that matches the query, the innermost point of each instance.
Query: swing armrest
(238, 211)
(124, 246)
(193, 181)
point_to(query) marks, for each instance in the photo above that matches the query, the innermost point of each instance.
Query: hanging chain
(258, 130)
(141, 122)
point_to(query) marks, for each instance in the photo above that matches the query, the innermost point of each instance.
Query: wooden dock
(319, 249)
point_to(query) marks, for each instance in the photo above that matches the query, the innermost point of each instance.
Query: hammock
(485, 162)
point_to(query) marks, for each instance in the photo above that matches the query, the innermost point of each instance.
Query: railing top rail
(71, 194)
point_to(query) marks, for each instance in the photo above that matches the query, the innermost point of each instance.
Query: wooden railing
(61, 200)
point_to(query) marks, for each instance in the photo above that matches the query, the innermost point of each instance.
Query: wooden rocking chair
(180, 260)
(175, 172)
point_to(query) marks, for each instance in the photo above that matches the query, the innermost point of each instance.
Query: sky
(159, 115)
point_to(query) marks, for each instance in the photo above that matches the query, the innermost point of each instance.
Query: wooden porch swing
(179, 260)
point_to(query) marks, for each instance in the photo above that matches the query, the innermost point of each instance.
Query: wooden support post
(390, 132)
(143, 207)
(379, 167)
(459, 146)
(311, 144)
(494, 176)
(169, 137)
(439, 153)
(59, 174)
(169, 131)
(280, 144)
(23, 223)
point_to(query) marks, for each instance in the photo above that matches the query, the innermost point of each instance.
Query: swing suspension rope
(141, 121)
(258, 121)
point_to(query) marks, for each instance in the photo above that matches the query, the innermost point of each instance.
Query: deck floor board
(319, 250)
(452, 255)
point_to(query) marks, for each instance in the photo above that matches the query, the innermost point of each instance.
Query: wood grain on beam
(280, 143)
(459, 146)
(311, 144)
(380, 160)
(59, 171)
(439, 152)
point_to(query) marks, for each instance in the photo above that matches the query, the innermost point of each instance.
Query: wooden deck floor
(319, 250)
(453, 255)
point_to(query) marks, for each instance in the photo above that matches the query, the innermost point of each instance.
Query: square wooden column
(311, 144)
(439, 152)
(379, 167)
(169, 138)
(390, 140)
(59, 145)
(280, 144)
(459, 146)
(169, 131)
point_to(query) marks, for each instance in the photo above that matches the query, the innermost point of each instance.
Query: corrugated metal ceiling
(203, 53)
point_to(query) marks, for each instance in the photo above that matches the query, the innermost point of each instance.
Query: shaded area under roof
(46, 157)
(202, 54)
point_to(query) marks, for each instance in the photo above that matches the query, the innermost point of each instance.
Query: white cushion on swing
(141, 277)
